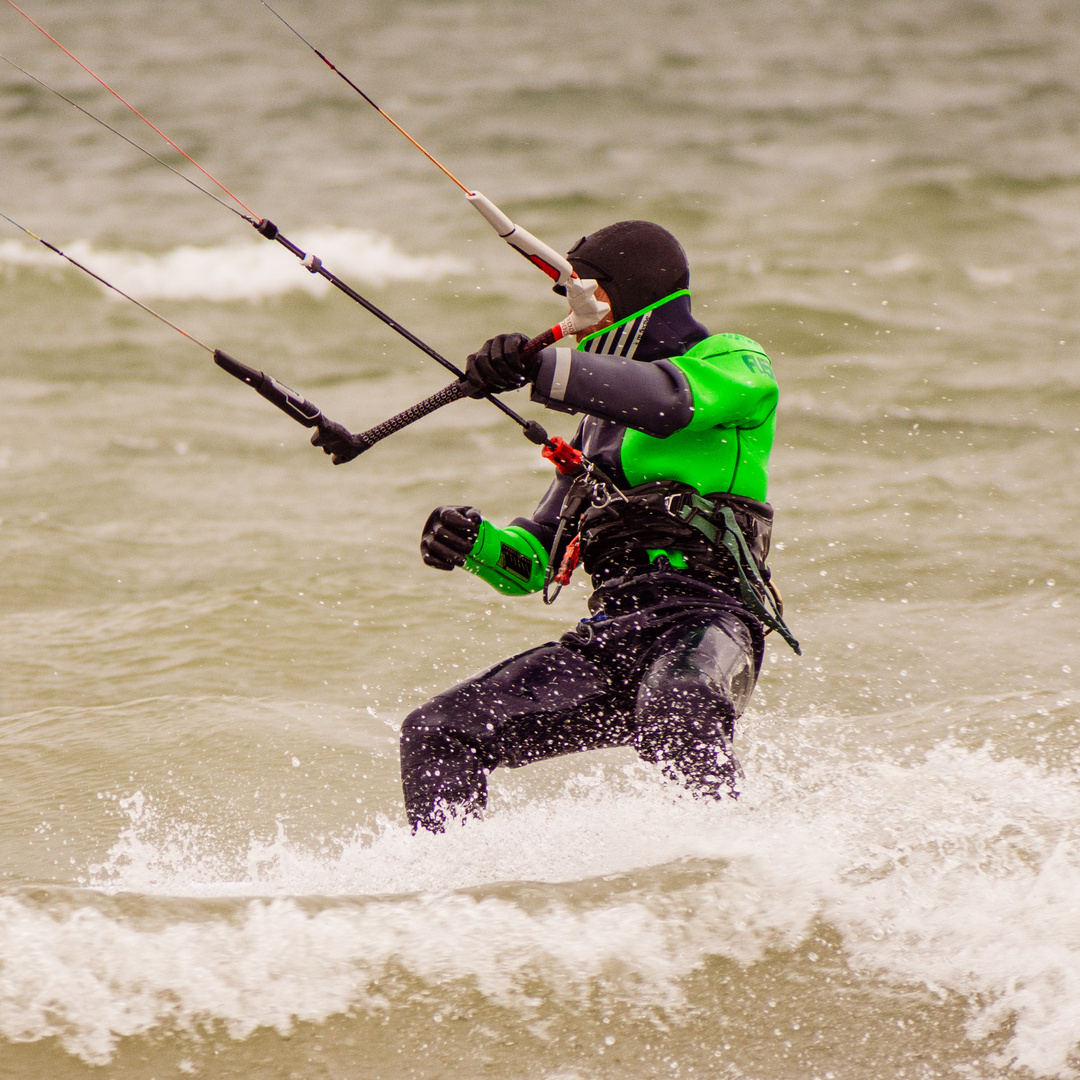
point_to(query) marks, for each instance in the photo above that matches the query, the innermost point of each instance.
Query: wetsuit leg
(688, 700)
(541, 703)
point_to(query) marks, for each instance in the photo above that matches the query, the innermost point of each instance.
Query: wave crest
(246, 270)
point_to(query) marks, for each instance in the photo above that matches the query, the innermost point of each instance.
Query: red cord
(132, 108)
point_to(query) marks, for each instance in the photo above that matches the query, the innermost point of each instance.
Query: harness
(722, 537)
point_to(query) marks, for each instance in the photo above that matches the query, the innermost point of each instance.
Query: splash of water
(958, 872)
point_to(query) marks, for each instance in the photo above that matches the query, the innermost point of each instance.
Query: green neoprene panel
(510, 560)
(726, 446)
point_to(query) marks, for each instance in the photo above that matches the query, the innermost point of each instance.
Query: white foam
(959, 872)
(89, 979)
(245, 270)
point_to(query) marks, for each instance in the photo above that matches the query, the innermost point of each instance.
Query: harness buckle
(675, 504)
(600, 495)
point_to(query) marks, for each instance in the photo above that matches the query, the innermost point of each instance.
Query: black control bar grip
(286, 399)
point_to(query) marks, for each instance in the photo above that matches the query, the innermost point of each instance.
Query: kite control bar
(345, 445)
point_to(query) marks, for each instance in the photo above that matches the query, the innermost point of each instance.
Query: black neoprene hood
(636, 262)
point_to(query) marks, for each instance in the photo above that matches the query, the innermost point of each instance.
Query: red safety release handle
(569, 562)
(563, 456)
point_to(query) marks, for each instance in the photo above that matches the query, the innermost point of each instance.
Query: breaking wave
(245, 270)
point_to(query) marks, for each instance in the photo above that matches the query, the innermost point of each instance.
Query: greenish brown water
(209, 635)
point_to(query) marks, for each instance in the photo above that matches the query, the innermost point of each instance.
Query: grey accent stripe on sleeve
(561, 377)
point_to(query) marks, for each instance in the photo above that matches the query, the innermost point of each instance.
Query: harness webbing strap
(691, 509)
(697, 512)
(735, 543)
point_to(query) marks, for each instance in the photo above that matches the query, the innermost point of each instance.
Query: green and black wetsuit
(665, 402)
(669, 657)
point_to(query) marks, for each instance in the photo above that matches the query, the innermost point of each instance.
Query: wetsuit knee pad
(716, 659)
(688, 701)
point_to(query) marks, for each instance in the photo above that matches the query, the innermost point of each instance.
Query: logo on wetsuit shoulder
(758, 363)
(517, 564)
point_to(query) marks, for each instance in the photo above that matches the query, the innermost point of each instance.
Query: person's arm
(513, 559)
(723, 381)
(655, 398)
(651, 397)
(530, 537)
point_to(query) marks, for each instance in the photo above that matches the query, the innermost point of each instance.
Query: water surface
(210, 635)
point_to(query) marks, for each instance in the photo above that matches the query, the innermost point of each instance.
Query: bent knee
(434, 731)
(714, 666)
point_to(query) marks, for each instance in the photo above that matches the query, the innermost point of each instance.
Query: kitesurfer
(682, 424)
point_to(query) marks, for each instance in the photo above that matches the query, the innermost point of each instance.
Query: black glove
(498, 365)
(449, 535)
(337, 441)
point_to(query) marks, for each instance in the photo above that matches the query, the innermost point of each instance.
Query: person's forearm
(511, 560)
(651, 397)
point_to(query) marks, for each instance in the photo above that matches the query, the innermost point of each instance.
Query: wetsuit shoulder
(731, 382)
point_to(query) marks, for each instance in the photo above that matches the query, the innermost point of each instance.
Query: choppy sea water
(209, 635)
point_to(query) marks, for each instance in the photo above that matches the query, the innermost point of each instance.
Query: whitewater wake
(958, 872)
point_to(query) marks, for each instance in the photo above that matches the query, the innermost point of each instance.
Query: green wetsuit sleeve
(511, 560)
(732, 383)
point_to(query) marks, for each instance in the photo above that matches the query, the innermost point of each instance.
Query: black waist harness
(724, 539)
